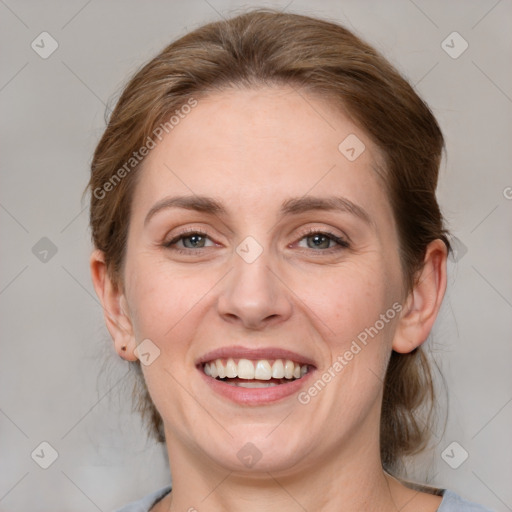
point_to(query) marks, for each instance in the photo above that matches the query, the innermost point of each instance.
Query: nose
(254, 295)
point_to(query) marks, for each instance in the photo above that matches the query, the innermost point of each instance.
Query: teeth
(278, 369)
(263, 370)
(288, 369)
(231, 369)
(220, 369)
(245, 369)
(260, 370)
(253, 384)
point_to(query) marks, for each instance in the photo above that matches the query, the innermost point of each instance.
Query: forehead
(255, 146)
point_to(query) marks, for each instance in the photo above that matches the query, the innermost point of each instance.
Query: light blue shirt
(451, 503)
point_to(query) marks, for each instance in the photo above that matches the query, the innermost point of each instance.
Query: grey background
(60, 380)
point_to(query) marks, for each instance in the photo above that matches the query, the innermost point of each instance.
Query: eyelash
(184, 234)
(342, 243)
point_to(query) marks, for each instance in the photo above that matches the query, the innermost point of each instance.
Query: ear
(424, 301)
(115, 310)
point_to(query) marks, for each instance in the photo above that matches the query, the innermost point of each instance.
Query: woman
(270, 256)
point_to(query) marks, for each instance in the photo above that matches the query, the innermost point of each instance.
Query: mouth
(261, 373)
(255, 376)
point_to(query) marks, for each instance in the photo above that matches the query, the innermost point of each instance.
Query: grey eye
(196, 241)
(318, 241)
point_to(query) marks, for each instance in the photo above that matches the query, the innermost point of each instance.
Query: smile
(255, 376)
(260, 373)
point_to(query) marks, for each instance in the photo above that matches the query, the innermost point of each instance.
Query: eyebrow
(330, 203)
(292, 206)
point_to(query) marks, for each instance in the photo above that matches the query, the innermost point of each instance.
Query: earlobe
(424, 300)
(115, 310)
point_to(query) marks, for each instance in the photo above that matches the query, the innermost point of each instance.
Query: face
(258, 248)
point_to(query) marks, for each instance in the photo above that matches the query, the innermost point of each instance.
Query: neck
(347, 479)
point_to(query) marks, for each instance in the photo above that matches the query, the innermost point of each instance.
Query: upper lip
(240, 352)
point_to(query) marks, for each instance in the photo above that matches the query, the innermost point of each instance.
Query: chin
(259, 450)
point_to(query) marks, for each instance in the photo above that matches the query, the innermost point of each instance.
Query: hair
(263, 48)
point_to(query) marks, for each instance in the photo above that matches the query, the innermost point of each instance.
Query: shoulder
(145, 503)
(452, 502)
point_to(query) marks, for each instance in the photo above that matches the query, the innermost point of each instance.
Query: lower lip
(256, 396)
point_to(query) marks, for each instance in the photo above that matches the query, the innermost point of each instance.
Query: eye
(323, 240)
(190, 240)
(320, 241)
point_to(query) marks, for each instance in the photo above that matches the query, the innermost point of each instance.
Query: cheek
(162, 302)
(349, 298)
(356, 317)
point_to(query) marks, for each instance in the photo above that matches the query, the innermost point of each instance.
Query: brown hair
(267, 47)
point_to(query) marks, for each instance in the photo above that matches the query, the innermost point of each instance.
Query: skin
(252, 149)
